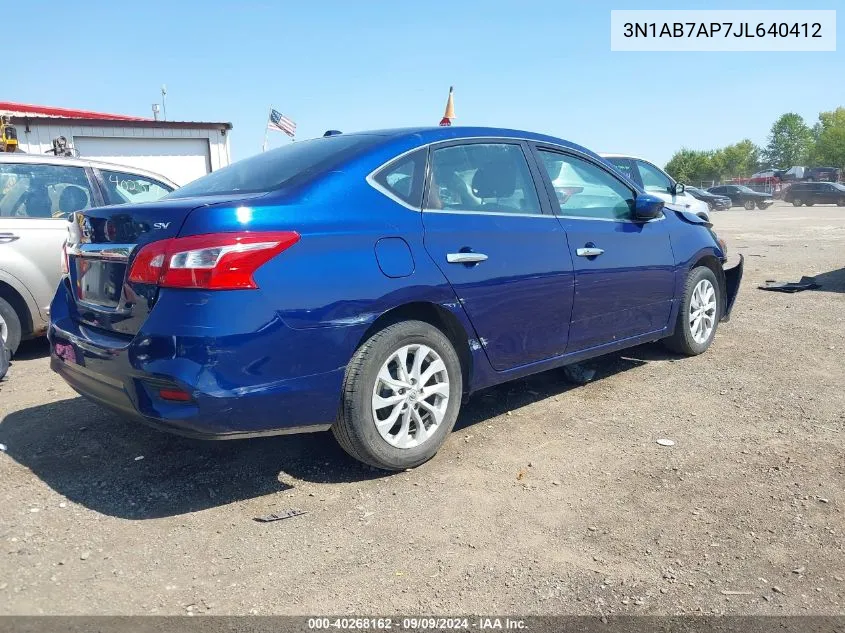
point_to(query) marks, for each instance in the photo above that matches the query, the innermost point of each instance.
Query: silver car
(38, 195)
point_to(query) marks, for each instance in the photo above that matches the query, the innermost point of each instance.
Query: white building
(180, 150)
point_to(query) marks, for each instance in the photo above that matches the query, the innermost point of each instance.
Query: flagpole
(267, 128)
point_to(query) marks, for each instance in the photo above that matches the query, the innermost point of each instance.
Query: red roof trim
(37, 110)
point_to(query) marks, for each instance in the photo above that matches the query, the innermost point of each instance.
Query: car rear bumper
(237, 386)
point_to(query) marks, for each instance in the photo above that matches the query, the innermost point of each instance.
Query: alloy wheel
(4, 329)
(702, 311)
(410, 396)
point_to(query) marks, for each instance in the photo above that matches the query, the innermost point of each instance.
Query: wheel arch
(18, 303)
(436, 316)
(712, 262)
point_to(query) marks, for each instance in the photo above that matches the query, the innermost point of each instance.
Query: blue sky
(542, 65)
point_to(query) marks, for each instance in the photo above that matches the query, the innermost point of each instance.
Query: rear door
(35, 202)
(624, 269)
(500, 247)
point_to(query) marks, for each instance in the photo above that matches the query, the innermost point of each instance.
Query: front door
(504, 254)
(624, 269)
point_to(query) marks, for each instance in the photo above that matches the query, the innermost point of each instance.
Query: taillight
(215, 261)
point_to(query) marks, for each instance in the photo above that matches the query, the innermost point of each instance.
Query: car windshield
(839, 186)
(745, 189)
(271, 170)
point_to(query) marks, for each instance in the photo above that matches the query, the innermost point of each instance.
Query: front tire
(698, 316)
(797, 202)
(10, 326)
(401, 396)
(840, 202)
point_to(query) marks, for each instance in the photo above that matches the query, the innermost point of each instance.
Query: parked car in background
(742, 196)
(823, 174)
(657, 182)
(766, 176)
(714, 202)
(811, 193)
(37, 196)
(794, 173)
(368, 282)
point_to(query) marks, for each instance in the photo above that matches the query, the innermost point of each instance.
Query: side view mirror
(647, 207)
(678, 188)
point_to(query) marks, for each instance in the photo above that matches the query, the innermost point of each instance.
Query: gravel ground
(548, 498)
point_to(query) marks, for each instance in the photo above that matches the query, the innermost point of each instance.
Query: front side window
(122, 187)
(403, 178)
(488, 177)
(653, 179)
(585, 190)
(30, 190)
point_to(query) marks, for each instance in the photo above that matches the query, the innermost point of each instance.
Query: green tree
(829, 147)
(689, 166)
(739, 160)
(789, 142)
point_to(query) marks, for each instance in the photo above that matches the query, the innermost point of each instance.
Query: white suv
(657, 182)
(37, 196)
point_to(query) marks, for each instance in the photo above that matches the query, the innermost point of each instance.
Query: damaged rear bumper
(733, 278)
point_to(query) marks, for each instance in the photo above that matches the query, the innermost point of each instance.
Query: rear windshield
(279, 167)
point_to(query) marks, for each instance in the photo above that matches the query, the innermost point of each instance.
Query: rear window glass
(286, 165)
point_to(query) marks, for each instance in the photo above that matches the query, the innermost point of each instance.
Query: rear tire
(749, 205)
(797, 202)
(10, 326)
(841, 202)
(698, 315)
(374, 376)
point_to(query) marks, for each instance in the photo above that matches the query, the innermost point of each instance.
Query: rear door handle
(465, 258)
(5, 238)
(589, 252)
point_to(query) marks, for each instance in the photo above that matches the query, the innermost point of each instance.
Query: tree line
(791, 142)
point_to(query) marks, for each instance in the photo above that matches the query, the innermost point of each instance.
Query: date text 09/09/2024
(721, 29)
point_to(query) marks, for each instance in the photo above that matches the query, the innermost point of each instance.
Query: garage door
(179, 159)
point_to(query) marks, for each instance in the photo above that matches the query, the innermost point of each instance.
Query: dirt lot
(547, 498)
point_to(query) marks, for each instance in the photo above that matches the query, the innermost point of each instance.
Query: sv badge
(161, 225)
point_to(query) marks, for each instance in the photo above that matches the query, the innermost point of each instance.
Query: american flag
(279, 121)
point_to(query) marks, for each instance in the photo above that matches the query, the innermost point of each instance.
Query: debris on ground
(578, 374)
(729, 592)
(666, 442)
(289, 514)
(139, 458)
(806, 283)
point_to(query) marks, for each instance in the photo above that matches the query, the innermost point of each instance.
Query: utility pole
(164, 102)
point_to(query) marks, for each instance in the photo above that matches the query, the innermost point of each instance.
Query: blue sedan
(367, 283)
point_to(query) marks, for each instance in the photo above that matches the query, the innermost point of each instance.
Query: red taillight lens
(216, 261)
(174, 395)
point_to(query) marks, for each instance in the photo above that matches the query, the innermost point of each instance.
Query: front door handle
(5, 238)
(465, 258)
(589, 252)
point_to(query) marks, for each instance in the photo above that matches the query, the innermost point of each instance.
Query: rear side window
(403, 178)
(29, 190)
(288, 165)
(485, 177)
(123, 187)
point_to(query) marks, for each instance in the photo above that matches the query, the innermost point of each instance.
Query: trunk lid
(101, 245)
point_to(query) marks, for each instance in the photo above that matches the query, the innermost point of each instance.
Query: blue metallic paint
(273, 359)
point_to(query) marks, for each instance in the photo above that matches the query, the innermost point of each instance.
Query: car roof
(22, 157)
(426, 135)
